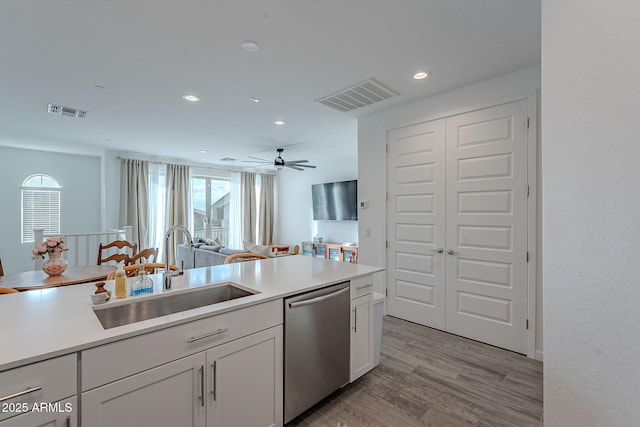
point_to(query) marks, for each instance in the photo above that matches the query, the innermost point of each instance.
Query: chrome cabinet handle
(438, 251)
(201, 386)
(210, 334)
(68, 421)
(215, 374)
(452, 252)
(364, 286)
(20, 393)
(355, 320)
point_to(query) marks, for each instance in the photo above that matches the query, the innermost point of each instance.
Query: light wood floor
(431, 378)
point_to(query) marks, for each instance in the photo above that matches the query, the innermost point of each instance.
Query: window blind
(40, 209)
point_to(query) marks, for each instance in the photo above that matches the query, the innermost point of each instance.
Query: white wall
(295, 212)
(372, 161)
(591, 212)
(80, 178)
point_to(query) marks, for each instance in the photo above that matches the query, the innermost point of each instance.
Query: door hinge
(386, 292)
(528, 122)
(527, 324)
(386, 198)
(386, 149)
(527, 256)
(528, 190)
(386, 244)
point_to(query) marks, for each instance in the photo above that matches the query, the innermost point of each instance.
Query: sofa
(203, 255)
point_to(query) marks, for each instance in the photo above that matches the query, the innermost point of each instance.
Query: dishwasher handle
(317, 299)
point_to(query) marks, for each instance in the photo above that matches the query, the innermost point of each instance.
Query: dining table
(38, 279)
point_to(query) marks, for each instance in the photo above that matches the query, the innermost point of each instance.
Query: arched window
(40, 206)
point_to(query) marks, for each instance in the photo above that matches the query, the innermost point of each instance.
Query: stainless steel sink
(144, 309)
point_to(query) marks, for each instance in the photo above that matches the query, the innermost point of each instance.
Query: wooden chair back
(295, 250)
(1, 270)
(145, 256)
(118, 257)
(4, 290)
(131, 270)
(244, 256)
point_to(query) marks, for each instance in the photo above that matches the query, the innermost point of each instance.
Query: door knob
(452, 252)
(438, 251)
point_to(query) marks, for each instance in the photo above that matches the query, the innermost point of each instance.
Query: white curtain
(249, 209)
(134, 184)
(177, 205)
(157, 206)
(266, 210)
(235, 212)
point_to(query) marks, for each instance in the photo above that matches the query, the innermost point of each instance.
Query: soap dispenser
(121, 283)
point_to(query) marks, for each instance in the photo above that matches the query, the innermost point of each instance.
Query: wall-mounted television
(335, 201)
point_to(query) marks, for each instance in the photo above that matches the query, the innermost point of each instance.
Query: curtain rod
(160, 162)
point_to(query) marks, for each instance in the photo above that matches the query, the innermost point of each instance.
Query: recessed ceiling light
(256, 100)
(279, 122)
(250, 46)
(203, 151)
(421, 75)
(190, 98)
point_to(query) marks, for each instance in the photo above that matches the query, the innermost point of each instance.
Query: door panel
(486, 225)
(474, 167)
(415, 273)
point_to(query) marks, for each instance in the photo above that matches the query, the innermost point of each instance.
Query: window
(40, 206)
(211, 207)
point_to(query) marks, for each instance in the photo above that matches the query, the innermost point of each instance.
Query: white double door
(457, 224)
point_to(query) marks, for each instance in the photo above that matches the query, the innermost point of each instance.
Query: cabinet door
(245, 381)
(169, 395)
(361, 336)
(58, 414)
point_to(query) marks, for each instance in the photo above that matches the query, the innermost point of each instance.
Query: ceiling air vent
(66, 111)
(359, 95)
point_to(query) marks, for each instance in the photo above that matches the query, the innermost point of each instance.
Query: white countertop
(37, 325)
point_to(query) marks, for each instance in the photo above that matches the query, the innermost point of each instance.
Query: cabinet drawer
(49, 381)
(361, 286)
(110, 362)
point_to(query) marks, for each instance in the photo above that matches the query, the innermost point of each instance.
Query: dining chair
(117, 257)
(244, 256)
(1, 270)
(295, 250)
(132, 270)
(145, 256)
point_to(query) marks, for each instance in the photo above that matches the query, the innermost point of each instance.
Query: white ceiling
(128, 63)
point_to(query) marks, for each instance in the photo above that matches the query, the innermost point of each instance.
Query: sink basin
(144, 309)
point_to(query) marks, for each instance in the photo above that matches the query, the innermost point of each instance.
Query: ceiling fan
(279, 162)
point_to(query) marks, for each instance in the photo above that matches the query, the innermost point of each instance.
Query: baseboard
(539, 356)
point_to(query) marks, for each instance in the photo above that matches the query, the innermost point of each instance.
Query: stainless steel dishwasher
(316, 347)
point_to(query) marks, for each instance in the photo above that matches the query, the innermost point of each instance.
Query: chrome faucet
(166, 278)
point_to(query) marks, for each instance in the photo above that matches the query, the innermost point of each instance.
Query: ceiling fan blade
(293, 167)
(297, 161)
(258, 158)
(301, 166)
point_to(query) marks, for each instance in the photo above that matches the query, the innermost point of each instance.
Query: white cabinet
(169, 395)
(230, 374)
(40, 394)
(361, 326)
(59, 414)
(246, 381)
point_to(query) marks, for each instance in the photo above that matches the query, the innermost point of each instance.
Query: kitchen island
(49, 332)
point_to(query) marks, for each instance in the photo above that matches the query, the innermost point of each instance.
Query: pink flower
(34, 251)
(41, 249)
(51, 243)
(57, 250)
